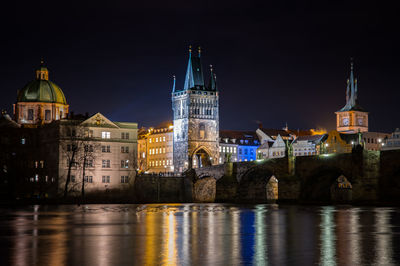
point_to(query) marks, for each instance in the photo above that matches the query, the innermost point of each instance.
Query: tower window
(47, 115)
(202, 131)
(30, 114)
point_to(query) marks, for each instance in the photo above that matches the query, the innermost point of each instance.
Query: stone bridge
(373, 175)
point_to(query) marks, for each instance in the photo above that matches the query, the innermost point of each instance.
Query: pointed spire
(199, 51)
(351, 91)
(173, 86)
(194, 73)
(213, 80)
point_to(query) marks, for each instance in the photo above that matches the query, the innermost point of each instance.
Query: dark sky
(276, 61)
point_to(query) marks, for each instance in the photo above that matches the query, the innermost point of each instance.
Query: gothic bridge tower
(196, 118)
(352, 118)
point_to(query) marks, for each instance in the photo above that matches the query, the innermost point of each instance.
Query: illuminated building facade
(110, 162)
(337, 142)
(196, 119)
(40, 101)
(352, 118)
(307, 145)
(155, 149)
(241, 146)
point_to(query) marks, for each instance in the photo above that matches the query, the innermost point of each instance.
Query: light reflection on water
(199, 234)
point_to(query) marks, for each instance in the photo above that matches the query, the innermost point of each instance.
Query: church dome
(41, 89)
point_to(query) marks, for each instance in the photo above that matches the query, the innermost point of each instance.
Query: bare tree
(86, 158)
(79, 149)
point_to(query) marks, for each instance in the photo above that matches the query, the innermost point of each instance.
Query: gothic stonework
(196, 119)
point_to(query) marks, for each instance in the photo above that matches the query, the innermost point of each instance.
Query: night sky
(276, 61)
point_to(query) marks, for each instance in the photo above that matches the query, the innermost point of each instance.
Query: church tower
(196, 118)
(352, 118)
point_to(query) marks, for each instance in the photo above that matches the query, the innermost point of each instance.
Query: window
(105, 179)
(105, 164)
(156, 139)
(47, 115)
(73, 180)
(105, 148)
(240, 151)
(164, 139)
(88, 148)
(125, 179)
(89, 163)
(105, 135)
(30, 114)
(202, 131)
(124, 135)
(245, 151)
(23, 141)
(89, 133)
(149, 140)
(124, 149)
(124, 163)
(89, 179)
(163, 150)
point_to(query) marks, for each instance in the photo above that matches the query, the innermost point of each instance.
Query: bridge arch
(201, 157)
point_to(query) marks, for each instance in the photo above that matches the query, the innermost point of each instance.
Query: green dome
(41, 91)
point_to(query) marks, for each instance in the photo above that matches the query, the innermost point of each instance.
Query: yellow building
(40, 101)
(339, 143)
(155, 149)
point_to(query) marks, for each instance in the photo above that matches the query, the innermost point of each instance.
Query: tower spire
(173, 86)
(199, 51)
(213, 80)
(194, 73)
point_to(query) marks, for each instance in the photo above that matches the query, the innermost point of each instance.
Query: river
(199, 234)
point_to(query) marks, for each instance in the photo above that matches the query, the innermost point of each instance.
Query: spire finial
(173, 86)
(190, 49)
(199, 50)
(211, 68)
(41, 61)
(351, 63)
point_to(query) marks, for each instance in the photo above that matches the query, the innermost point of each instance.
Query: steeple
(42, 73)
(213, 80)
(351, 92)
(194, 73)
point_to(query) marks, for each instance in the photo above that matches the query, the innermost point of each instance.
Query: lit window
(156, 139)
(22, 141)
(105, 135)
(163, 138)
(163, 150)
(124, 163)
(149, 140)
(156, 150)
(220, 148)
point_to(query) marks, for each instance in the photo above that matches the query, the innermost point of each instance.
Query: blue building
(241, 146)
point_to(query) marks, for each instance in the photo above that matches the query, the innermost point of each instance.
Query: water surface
(199, 234)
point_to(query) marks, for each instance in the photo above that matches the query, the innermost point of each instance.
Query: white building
(112, 159)
(307, 145)
(392, 142)
(272, 148)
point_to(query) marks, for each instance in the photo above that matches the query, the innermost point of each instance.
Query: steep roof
(275, 132)
(250, 136)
